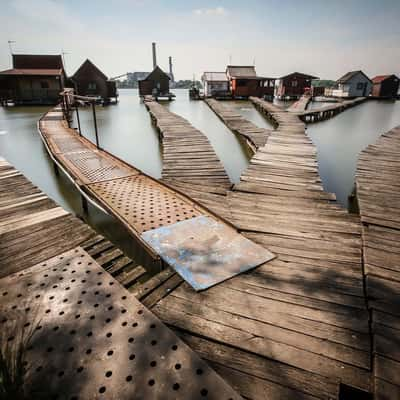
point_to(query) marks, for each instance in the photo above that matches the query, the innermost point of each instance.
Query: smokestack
(154, 55)
(170, 69)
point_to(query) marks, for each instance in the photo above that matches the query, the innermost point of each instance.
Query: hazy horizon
(320, 38)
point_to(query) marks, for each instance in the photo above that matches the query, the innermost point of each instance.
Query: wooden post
(95, 125)
(85, 206)
(56, 170)
(78, 120)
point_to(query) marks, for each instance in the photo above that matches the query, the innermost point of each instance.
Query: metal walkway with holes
(145, 204)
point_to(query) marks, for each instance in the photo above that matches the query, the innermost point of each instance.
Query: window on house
(44, 84)
(360, 86)
(92, 86)
(294, 83)
(241, 82)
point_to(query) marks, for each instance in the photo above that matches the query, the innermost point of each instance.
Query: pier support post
(85, 206)
(56, 170)
(95, 125)
(78, 120)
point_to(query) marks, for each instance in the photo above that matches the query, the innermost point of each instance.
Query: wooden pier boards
(144, 204)
(254, 136)
(187, 153)
(378, 194)
(296, 327)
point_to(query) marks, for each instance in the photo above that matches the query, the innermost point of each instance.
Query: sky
(325, 38)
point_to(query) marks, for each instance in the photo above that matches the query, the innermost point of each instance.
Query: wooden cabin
(353, 84)
(88, 80)
(155, 84)
(294, 85)
(244, 82)
(34, 79)
(385, 86)
(215, 84)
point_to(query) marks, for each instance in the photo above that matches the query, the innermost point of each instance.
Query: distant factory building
(34, 79)
(88, 80)
(215, 84)
(294, 85)
(353, 84)
(244, 82)
(385, 86)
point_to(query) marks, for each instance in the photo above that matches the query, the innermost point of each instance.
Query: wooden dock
(301, 104)
(253, 135)
(190, 163)
(378, 194)
(326, 112)
(297, 327)
(62, 290)
(34, 228)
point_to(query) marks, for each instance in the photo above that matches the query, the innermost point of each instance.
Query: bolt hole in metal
(80, 336)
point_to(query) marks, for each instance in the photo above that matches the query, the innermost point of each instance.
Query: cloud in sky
(210, 11)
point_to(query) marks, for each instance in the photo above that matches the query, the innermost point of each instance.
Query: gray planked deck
(378, 194)
(298, 326)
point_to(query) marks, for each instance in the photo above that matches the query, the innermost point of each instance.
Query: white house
(353, 84)
(215, 83)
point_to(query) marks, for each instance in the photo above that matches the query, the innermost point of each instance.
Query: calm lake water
(126, 131)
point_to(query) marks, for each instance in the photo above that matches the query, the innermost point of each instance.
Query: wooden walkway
(301, 104)
(326, 112)
(86, 331)
(138, 201)
(253, 135)
(378, 194)
(297, 327)
(187, 153)
(190, 164)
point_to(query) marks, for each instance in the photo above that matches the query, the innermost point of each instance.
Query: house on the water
(353, 84)
(33, 79)
(244, 82)
(88, 80)
(385, 86)
(215, 84)
(294, 85)
(156, 84)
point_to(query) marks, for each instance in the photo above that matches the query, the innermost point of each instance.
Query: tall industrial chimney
(170, 69)
(154, 55)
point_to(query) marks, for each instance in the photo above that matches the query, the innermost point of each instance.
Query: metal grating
(93, 340)
(205, 252)
(92, 167)
(65, 144)
(143, 203)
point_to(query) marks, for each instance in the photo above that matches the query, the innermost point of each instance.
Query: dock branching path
(298, 326)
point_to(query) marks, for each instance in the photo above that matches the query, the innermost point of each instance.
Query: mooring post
(95, 125)
(56, 170)
(85, 206)
(78, 120)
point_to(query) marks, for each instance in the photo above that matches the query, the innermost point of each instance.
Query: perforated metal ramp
(91, 339)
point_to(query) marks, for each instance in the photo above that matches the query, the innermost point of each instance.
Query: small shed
(90, 81)
(244, 82)
(34, 79)
(156, 83)
(294, 85)
(215, 84)
(385, 86)
(353, 84)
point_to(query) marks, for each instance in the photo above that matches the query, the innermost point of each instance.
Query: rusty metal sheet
(143, 203)
(92, 339)
(205, 252)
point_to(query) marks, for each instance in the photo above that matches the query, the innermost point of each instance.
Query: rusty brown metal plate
(143, 203)
(91, 339)
(205, 252)
(66, 144)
